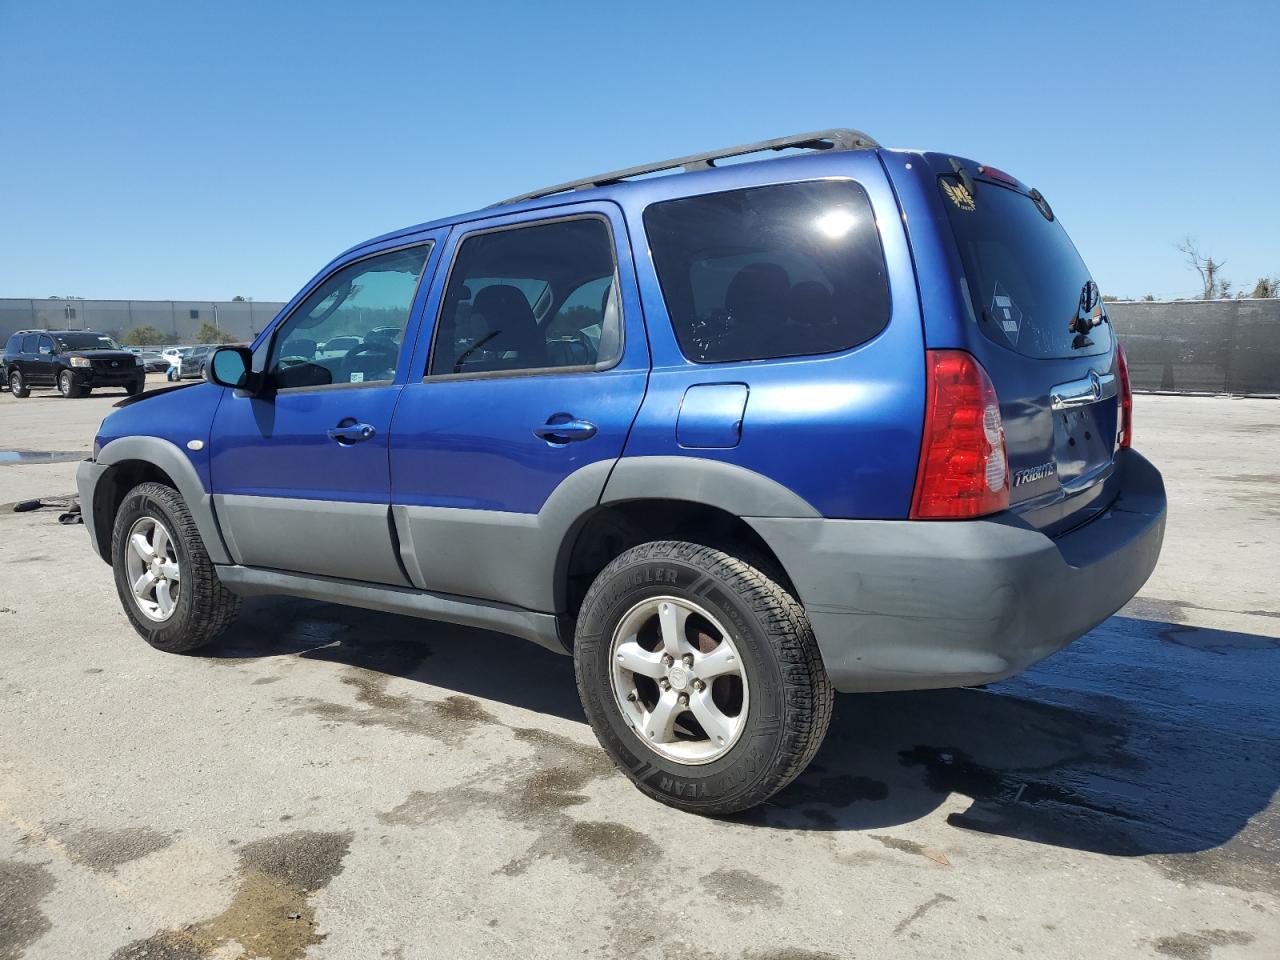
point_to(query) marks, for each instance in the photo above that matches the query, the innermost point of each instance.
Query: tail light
(963, 469)
(1124, 436)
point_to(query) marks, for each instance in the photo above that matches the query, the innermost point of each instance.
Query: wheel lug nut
(684, 699)
(667, 660)
(666, 684)
(699, 685)
(688, 659)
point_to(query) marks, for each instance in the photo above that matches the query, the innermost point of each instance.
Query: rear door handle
(558, 430)
(348, 433)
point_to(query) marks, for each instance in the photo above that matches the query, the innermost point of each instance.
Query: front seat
(510, 327)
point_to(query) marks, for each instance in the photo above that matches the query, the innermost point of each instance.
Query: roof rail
(835, 139)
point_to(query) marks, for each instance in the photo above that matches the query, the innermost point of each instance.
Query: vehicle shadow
(1144, 737)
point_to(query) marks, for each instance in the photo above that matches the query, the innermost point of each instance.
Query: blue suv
(735, 438)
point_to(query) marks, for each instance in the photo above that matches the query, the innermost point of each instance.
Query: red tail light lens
(1124, 436)
(963, 469)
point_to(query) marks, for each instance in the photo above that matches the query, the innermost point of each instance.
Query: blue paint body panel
(461, 492)
(711, 415)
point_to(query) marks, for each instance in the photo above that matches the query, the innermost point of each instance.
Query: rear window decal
(1006, 313)
(959, 195)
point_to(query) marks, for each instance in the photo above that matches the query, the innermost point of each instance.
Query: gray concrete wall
(178, 320)
(1201, 346)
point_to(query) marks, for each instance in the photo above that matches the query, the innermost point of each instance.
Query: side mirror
(233, 367)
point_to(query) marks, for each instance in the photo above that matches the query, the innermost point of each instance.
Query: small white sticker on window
(1006, 313)
(357, 377)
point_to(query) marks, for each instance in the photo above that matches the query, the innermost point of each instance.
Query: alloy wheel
(152, 563)
(679, 681)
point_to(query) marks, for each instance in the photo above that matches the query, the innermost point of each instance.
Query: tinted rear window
(776, 271)
(1023, 274)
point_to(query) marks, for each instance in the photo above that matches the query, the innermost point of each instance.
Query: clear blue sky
(203, 150)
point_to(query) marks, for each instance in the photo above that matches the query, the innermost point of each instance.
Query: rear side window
(539, 296)
(14, 345)
(1023, 274)
(29, 343)
(776, 271)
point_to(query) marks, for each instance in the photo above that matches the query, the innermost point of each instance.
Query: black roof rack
(836, 139)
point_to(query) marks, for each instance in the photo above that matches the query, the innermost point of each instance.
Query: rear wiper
(966, 178)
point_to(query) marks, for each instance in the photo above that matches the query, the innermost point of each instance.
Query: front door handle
(563, 428)
(349, 433)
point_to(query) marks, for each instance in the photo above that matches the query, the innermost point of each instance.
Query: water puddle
(41, 456)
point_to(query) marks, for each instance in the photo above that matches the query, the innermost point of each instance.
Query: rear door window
(535, 296)
(1023, 275)
(29, 343)
(777, 271)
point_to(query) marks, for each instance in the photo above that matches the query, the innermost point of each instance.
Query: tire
(134, 389)
(203, 608)
(170, 376)
(782, 690)
(18, 386)
(68, 387)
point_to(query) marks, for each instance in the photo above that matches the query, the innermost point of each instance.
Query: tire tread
(807, 690)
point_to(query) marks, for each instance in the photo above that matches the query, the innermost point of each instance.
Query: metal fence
(179, 321)
(1201, 346)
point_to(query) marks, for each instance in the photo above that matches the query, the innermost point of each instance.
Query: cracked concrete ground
(332, 783)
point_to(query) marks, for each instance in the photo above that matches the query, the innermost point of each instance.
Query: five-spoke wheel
(678, 680)
(153, 570)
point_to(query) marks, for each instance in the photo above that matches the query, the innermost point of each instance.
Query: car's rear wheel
(68, 387)
(700, 676)
(166, 582)
(18, 386)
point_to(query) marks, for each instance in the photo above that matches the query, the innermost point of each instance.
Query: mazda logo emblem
(1095, 385)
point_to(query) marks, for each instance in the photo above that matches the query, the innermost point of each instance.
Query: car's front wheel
(163, 574)
(700, 676)
(68, 387)
(17, 386)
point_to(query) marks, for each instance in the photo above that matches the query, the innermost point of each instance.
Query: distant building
(178, 320)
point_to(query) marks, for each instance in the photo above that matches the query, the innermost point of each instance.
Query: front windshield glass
(84, 341)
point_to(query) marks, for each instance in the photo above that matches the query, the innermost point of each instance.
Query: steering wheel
(387, 354)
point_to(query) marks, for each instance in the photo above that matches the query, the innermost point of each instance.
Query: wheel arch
(613, 528)
(134, 460)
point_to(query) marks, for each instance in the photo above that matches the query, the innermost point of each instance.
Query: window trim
(884, 260)
(597, 367)
(307, 291)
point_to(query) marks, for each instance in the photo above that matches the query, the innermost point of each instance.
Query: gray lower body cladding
(912, 605)
(540, 628)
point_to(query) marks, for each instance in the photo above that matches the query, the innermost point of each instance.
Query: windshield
(1023, 274)
(84, 341)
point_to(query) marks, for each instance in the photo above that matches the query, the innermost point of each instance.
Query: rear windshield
(84, 341)
(776, 271)
(1023, 274)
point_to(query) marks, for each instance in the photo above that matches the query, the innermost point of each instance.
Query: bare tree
(1207, 267)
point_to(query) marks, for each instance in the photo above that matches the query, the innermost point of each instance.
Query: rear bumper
(911, 605)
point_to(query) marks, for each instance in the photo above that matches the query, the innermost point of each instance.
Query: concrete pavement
(335, 783)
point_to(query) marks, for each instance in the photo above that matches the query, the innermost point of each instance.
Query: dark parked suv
(72, 361)
(735, 438)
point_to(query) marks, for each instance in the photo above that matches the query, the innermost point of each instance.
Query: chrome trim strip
(1082, 392)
